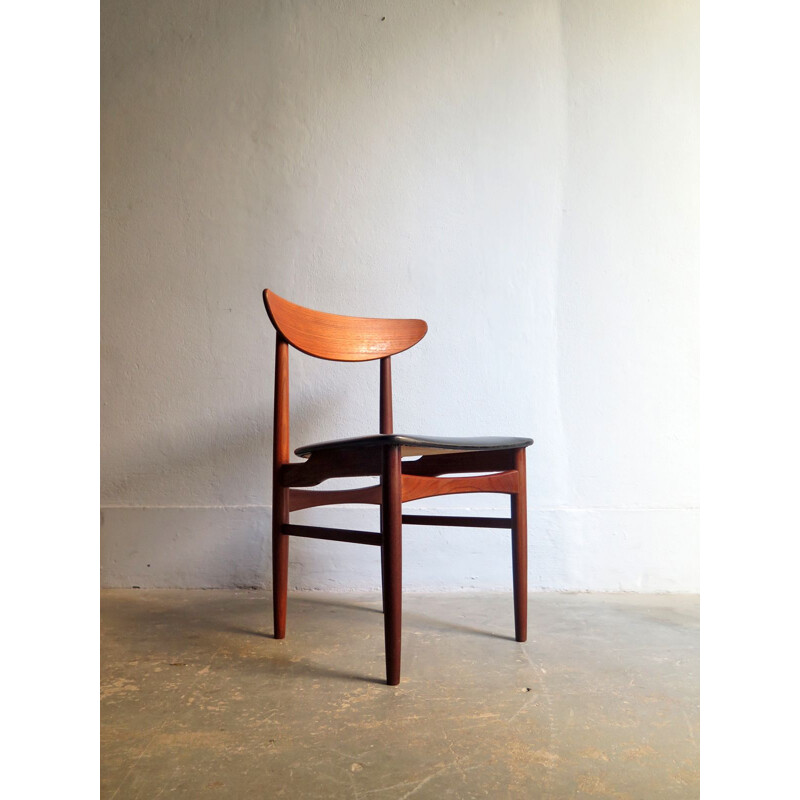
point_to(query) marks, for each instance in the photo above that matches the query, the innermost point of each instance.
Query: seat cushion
(419, 445)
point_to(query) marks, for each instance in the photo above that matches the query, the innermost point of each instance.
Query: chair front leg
(280, 558)
(392, 559)
(519, 550)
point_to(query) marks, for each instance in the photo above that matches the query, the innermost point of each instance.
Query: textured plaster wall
(523, 175)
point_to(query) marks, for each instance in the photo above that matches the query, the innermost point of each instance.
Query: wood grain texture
(332, 464)
(333, 534)
(301, 498)
(280, 499)
(339, 338)
(456, 522)
(392, 560)
(519, 550)
(472, 461)
(416, 487)
(359, 463)
(386, 421)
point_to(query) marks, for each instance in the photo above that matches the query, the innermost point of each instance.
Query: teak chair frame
(340, 338)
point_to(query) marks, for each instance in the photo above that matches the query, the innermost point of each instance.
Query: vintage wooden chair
(339, 338)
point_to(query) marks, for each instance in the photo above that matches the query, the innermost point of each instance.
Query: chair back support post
(280, 494)
(386, 396)
(280, 441)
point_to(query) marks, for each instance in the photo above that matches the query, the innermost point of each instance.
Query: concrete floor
(198, 700)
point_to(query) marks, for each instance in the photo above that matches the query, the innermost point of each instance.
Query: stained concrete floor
(198, 700)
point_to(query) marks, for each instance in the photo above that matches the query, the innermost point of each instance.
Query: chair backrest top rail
(339, 338)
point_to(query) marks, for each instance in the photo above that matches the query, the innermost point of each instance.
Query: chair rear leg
(280, 560)
(519, 550)
(392, 560)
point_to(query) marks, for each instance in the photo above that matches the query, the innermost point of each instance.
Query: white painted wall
(523, 175)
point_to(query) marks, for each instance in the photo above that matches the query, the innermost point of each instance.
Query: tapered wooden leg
(392, 560)
(280, 561)
(383, 561)
(280, 494)
(519, 551)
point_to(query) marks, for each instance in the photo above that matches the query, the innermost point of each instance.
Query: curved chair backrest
(337, 338)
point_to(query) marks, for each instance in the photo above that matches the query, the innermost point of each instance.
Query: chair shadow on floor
(194, 627)
(414, 617)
